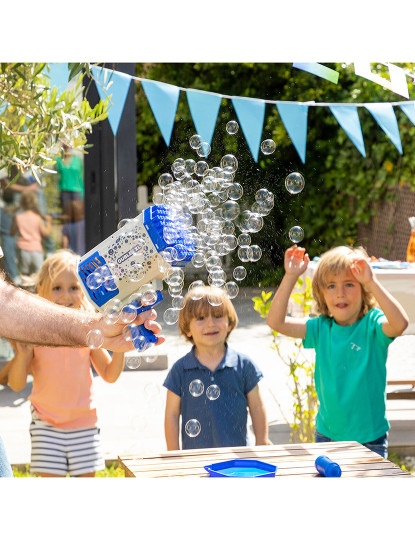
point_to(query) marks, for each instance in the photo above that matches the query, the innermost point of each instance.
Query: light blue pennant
(409, 110)
(117, 92)
(204, 108)
(251, 113)
(294, 117)
(163, 99)
(348, 118)
(319, 70)
(59, 76)
(384, 115)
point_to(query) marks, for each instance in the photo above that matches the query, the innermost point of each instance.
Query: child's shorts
(61, 451)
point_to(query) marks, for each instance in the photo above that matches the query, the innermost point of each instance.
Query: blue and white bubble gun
(145, 248)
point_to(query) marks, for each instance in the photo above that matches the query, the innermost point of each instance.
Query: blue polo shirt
(223, 421)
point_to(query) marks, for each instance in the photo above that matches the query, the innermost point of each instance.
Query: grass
(112, 470)
(406, 463)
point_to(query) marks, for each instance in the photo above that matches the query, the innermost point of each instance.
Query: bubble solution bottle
(327, 467)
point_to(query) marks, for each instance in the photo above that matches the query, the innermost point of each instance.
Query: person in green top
(71, 177)
(351, 338)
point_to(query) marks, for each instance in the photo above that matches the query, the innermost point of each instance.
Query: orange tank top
(62, 392)
(30, 237)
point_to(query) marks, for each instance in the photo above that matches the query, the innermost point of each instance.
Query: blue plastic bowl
(242, 468)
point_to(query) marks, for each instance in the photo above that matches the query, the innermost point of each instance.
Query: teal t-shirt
(71, 174)
(350, 376)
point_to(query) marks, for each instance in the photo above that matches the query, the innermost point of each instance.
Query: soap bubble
(165, 179)
(203, 150)
(244, 240)
(262, 195)
(256, 253)
(177, 164)
(126, 333)
(196, 388)
(169, 254)
(294, 183)
(231, 241)
(171, 316)
(213, 392)
(192, 428)
(140, 343)
(198, 260)
(229, 161)
(112, 311)
(232, 289)
(128, 313)
(149, 297)
(230, 210)
(296, 234)
(132, 362)
(239, 273)
(245, 253)
(109, 284)
(255, 223)
(194, 290)
(201, 168)
(135, 270)
(268, 147)
(232, 127)
(190, 165)
(235, 191)
(215, 300)
(159, 198)
(135, 299)
(122, 223)
(94, 339)
(195, 141)
(177, 302)
(95, 280)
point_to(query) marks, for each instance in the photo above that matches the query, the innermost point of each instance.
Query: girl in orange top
(64, 433)
(30, 226)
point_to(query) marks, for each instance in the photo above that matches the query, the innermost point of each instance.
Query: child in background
(64, 433)
(212, 369)
(31, 226)
(351, 339)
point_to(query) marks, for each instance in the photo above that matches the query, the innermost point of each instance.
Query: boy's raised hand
(296, 261)
(361, 270)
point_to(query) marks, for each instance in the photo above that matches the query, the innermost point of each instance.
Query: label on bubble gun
(143, 338)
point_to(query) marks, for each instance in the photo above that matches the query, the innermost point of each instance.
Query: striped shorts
(61, 451)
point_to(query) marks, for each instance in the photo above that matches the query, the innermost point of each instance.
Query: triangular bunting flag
(163, 99)
(409, 110)
(204, 108)
(251, 113)
(384, 115)
(117, 92)
(319, 70)
(58, 75)
(294, 118)
(348, 117)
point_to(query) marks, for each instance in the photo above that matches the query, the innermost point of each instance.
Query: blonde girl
(351, 338)
(65, 437)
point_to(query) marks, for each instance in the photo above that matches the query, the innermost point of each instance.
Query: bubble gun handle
(143, 338)
(327, 467)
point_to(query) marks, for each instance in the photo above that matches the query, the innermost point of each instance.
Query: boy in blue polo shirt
(213, 385)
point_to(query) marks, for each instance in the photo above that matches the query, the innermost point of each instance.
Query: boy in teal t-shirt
(351, 339)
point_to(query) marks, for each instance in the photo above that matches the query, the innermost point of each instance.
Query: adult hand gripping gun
(132, 257)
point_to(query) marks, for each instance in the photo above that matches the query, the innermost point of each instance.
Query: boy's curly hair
(334, 261)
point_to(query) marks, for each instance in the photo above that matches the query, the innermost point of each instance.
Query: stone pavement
(131, 411)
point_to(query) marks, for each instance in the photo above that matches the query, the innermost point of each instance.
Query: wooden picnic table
(296, 460)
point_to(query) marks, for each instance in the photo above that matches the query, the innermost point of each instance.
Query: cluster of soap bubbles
(206, 201)
(196, 388)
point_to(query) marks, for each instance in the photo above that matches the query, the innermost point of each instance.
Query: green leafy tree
(35, 120)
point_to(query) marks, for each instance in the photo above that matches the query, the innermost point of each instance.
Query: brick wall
(387, 235)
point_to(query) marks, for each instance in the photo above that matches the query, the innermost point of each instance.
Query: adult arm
(28, 318)
(171, 420)
(258, 416)
(295, 263)
(46, 226)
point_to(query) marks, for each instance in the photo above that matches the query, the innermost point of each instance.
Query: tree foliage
(35, 119)
(341, 185)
